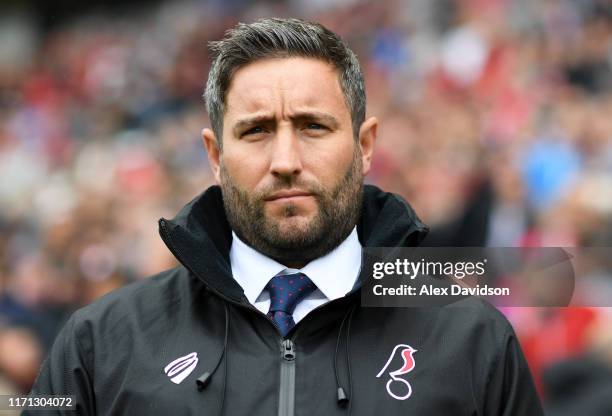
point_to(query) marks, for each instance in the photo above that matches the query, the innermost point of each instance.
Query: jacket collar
(200, 236)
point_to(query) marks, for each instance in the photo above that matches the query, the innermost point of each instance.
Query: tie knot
(287, 290)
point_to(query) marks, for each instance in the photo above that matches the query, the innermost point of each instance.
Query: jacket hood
(200, 236)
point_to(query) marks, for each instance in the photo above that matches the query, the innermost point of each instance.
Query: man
(263, 315)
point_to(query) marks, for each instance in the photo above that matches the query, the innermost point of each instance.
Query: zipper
(286, 398)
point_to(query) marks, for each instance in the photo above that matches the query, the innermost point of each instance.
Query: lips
(287, 194)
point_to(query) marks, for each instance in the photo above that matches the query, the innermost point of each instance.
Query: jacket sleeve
(66, 371)
(510, 390)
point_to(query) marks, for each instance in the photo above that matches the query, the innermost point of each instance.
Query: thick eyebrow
(250, 121)
(324, 118)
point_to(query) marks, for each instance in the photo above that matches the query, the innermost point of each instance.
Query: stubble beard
(338, 212)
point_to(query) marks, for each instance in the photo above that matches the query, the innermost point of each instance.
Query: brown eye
(314, 126)
(253, 130)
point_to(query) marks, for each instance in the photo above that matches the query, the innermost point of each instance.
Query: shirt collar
(334, 274)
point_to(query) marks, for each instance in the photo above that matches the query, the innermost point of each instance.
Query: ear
(367, 138)
(214, 153)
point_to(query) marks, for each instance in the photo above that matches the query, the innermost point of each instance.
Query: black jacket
(114, 354)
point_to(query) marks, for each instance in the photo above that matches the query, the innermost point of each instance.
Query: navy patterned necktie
(286, 291)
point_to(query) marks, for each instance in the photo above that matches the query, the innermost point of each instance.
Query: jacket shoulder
(135, 305)
(480, 311)
(151, 288)
(476, 319)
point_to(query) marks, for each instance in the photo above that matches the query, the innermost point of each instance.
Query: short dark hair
(279, 38)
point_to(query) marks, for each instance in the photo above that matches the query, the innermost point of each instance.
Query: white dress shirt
(334, 274)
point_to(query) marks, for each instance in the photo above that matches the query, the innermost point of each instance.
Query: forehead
(284, 84)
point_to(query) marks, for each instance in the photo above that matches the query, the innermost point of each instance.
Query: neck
(293, 264)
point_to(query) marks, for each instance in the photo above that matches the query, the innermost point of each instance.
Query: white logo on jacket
(180, 368)
(408, 365)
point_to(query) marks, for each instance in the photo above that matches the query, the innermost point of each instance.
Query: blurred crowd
(496, 125)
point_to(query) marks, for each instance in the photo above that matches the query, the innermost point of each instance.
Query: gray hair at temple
(280, 38)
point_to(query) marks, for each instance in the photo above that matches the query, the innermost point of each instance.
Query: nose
(285, 160)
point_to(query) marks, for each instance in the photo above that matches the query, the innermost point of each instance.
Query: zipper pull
(288, 350)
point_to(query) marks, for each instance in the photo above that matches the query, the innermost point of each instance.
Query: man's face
(290, 170)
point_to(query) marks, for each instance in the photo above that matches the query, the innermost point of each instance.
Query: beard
(338, 210)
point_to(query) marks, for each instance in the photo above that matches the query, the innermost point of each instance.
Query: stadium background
(496, 125)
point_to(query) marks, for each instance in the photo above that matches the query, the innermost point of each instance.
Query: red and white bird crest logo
(408, 364)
